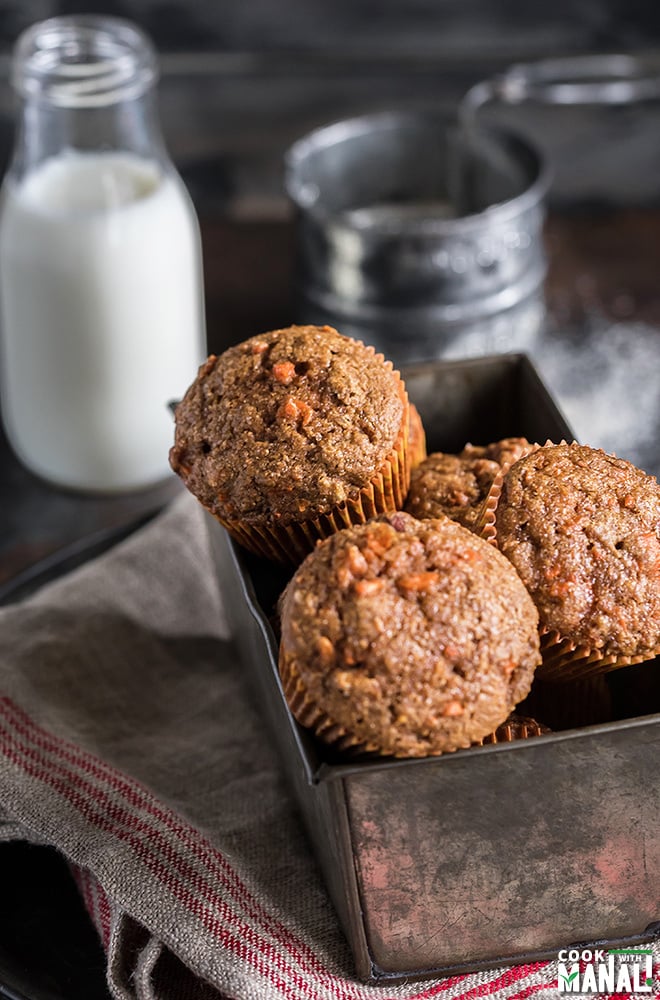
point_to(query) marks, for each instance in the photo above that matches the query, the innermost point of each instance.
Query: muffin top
(582, 529)
(456, 485)
(286, 425)
(415, 637)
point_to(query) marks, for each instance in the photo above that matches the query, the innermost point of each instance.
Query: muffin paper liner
(563, 659)
(383, 494)
(416, 438)
(485, 523)
(516, 727)
(308, 714)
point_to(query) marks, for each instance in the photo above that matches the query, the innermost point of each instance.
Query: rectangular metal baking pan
(488, 856)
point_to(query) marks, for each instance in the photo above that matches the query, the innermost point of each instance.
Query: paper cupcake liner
(516, 727)
(416, 438)
(311, 716)
(307, 712)
(485, 524)
(563, 659)
(383, 494)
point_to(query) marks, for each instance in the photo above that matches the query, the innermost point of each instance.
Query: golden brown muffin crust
(583, 530)
(286, 424)
(456, 485)
(416, 637)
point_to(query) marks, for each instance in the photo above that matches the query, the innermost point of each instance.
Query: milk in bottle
(101, 299)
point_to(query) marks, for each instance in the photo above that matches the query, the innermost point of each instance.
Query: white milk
(101, 309)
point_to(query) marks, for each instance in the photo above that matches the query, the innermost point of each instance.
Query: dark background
(443, 29)
(241, 80)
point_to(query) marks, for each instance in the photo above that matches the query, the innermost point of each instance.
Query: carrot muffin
(456, 485)
(291, 434)
(582, 528)
(504, 452)
(406, 637)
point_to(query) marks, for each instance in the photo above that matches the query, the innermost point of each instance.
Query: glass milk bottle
(101, 295)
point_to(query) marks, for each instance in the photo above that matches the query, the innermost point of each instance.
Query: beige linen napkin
(129, 741)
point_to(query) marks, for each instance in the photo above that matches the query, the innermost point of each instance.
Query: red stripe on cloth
(105, 914)
(534, 988)
(97, 905)
(253, 954)
(652, 996)
(509, 977)
(213, 861)
(70, 785)
(341, 989)
(434, 989)
(143, 838)
(627, 996)
(87, 888)
(78, 874)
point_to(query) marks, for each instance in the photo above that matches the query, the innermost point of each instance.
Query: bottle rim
(87, 60)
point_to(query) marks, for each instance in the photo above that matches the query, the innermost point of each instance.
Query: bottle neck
(44, 131)
(86, 84)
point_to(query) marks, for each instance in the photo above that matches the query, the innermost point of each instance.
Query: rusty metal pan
(494, 855)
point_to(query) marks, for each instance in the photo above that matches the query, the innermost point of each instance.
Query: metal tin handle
(615, 78)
